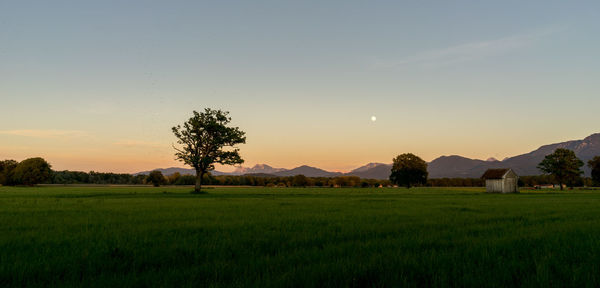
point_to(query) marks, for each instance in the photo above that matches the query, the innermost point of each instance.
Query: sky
(97, 85)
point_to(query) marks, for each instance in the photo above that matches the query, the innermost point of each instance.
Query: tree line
(156, 178)
(38, 171)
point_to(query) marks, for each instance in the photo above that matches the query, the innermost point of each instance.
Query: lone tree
(32, 171)
(563, 165)
(206, 139)
(156, 178)
(408, 169)
(594, 164)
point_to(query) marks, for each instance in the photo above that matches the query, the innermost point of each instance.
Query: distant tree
(563, 165)
(172, 179)
(300, 181)
(594, 164)
(32, 171)
(409, 170)
(7, 168)
(138, 179)
(204, 139)
(186, 180)
(156, 178)
(259, 181)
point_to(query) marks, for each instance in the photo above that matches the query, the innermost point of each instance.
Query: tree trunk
(199, 175)
(560, 183)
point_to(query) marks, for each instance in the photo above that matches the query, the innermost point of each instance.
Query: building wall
(494, 185)
(506, 185)
(510, 185)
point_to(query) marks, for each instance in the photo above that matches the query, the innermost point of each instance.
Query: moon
(373, 118)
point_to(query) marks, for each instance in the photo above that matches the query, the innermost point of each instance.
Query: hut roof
(495, 173)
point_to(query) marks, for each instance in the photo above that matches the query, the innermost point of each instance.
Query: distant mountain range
(525, 164)
(372, 171)
(257, 169)
(445, 166)
(262, 170)
(308, 171)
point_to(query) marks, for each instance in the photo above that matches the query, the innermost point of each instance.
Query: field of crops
(265, 237)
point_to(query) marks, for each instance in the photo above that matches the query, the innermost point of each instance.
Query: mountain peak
(307, 171)
(258, 168)
(366, 167)
(261, 166)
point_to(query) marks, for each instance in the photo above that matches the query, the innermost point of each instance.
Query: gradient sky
(97, 85)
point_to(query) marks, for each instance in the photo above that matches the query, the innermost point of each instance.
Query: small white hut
(501, 181)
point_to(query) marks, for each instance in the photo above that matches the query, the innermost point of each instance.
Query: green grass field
(265, 237)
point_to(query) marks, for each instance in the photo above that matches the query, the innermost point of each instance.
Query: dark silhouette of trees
(455, 182)
(173, 178)
(300, 181)
(204, 139)
(536, 180)
(78, 177)
(262, 180)
(156, 178)
(563, 165)
(32, 171)
(6, 171)
(594, 164)
(409, 170)
(75, 177)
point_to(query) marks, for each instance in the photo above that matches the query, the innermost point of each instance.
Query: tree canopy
(408, 170)
(594, 164)
(6, 171)
(563, 165)
(156, 178)
(206, 139)
(32, 171)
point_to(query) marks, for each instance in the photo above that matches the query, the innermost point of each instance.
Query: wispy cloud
(36, 133)
(467, 52)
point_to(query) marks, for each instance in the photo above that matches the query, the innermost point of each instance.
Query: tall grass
(304, 237)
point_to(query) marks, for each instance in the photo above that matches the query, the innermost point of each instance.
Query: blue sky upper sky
(96, 85)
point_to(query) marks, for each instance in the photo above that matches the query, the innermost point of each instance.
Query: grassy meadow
(302, 237)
